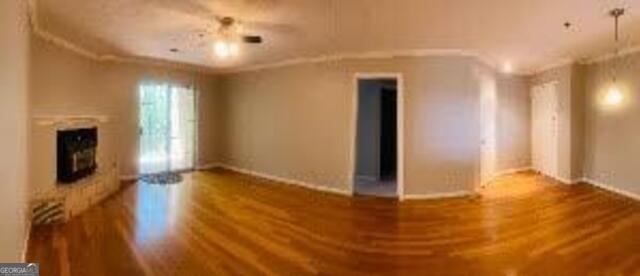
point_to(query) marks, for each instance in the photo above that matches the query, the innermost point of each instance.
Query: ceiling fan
(228, 37)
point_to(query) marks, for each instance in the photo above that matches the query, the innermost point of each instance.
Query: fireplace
(76, 154)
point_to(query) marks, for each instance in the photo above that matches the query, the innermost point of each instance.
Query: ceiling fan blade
(252, 39)
(252, 25)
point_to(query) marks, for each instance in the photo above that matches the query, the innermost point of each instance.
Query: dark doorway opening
(388, 134)
(377, 137)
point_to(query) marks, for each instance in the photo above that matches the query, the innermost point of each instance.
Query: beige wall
(513, 124)
(64, 83)
(14, 66)
(612, 133)
(297, 121)
(121, 84)
(578, 123)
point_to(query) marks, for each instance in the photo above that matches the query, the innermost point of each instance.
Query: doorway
(378, 136)
(544, 129)
(167, 126)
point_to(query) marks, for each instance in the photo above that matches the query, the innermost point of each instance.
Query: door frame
(399, 131)
(196, 126)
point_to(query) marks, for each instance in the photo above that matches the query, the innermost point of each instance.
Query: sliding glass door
(167, 128)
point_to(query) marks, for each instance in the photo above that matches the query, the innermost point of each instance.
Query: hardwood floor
(220, 222)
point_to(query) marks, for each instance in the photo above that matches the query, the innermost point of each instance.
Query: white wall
(14, 66)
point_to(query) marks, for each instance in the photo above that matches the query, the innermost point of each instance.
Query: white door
(488, 116)
(544, 107)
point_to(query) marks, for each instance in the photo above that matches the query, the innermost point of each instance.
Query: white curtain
(167, 127)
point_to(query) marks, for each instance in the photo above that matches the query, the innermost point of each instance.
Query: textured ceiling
(529, 34)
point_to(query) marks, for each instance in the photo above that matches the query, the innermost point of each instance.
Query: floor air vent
(51, 212)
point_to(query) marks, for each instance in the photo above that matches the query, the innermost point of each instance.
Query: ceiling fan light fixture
(226, 48)
(227, 44)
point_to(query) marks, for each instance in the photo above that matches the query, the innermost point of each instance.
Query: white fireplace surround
(78, 196)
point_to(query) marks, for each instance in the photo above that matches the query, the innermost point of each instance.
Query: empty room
(320, 137)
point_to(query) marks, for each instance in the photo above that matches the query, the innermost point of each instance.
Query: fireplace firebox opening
(76, 152)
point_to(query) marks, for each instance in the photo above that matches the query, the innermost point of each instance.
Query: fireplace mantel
(78, 196)
(50, 120)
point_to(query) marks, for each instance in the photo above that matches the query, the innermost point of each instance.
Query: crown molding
(609, 56)
(56, 40)
(61, 42)
(75, 48)
(486, 60)
(553, 65)
(588, 61)
(483, 59)
(364, 55)
(53, 39)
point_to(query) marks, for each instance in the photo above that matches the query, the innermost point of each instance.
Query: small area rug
(166, 178)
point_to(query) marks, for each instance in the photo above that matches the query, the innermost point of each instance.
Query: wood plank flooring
(223, 223)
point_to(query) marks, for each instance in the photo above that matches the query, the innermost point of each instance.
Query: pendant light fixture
(614, 95)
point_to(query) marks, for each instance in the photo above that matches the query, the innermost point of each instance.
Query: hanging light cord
(616, 13)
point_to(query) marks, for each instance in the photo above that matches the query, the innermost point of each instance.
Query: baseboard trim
(132, 177)
(560, 179)
(566, 181)
(611, 189)
(25, 247)
(438, 195)
(511, 171)
(502, 173)
(208, 166)
(285, 180)
(321, 188)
